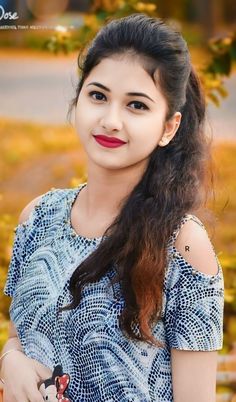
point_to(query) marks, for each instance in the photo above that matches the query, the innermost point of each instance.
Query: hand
(22, 376)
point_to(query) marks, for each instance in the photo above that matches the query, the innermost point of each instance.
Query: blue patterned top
(103, 364)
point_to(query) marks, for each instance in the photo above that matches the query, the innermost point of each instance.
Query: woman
(117, 280)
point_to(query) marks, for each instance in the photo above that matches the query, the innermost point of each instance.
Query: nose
(111, 119)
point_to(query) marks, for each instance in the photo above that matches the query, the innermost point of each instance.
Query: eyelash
(100, 93)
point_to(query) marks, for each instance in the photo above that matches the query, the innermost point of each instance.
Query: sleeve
(194, 307)
(30, 234)
(17, 260)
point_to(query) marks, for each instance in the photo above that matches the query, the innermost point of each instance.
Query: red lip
(113, 140)
(108, 142)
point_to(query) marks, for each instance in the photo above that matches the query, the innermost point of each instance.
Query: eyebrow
(128, 93)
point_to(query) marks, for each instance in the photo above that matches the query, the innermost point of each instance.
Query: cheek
(81, 120)
(86, 118)
(146, 131)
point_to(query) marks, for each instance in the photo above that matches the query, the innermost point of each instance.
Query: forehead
(125, 73)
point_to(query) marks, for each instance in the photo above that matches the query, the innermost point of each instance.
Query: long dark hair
(175, 182)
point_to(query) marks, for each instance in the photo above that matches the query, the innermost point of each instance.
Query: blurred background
(39, 149)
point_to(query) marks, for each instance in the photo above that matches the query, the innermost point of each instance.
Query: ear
(57, 371)
(170, 128)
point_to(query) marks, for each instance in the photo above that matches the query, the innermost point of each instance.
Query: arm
(13, 341)
(194, 375)
(20, 373)
(194, 372)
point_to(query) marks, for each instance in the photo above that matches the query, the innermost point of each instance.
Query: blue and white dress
(103, 364)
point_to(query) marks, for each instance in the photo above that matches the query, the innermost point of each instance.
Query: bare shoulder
(24, 215)
(195, 246)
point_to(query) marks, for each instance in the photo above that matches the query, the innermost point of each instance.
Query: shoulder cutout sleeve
(194, 302)
(27, 236)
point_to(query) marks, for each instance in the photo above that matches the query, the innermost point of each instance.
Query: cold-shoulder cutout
(193, 244)
(30, 234)
(25, 213)
(29, 211)
(194, 291)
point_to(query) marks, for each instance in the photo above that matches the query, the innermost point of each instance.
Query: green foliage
(61, 41)
(223, 55)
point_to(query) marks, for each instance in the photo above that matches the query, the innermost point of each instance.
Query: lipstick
(108, 142)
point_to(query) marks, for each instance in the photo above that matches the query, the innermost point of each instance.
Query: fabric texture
(103, 364)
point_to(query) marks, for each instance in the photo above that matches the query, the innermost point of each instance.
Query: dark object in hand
(54, 388)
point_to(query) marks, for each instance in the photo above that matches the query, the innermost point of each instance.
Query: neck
(106, 190)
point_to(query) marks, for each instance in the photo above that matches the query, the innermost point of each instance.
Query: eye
(144, 107)
(96, 93)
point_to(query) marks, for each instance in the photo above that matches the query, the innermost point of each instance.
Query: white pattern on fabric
(103, 364)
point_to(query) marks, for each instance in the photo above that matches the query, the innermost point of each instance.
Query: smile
(107, 143)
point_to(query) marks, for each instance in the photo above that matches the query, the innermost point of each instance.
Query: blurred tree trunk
(22, 11)
(209, 15)
(167, 9)
(81, 5)
(229, 11)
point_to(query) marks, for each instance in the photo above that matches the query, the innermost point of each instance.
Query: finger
(42, 371)
(14, 398)
(7, 397)
(36, 397)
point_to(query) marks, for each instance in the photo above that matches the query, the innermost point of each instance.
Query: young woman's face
(105, 107)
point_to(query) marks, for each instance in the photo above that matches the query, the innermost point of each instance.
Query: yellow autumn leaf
(91, 21)
(140, 6)
(151, 7)
(227, 41)
(212, 97)
(222, 91)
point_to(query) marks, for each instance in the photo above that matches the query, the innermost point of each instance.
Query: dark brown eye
(143, 106)
(96, 93)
